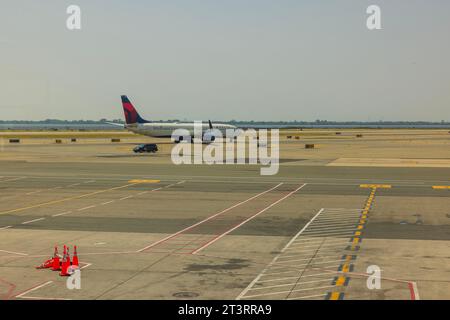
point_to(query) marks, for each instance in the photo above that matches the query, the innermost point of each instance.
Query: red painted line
(207, 219)
(246, 220)
(414, 292)
(12, 287)
(411, 291)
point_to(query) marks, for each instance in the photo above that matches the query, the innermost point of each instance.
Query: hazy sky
(228, 59)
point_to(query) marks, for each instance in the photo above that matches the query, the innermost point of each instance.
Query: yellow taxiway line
(144, 181)
(383, 186)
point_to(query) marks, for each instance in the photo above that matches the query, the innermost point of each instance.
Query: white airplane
(135, 123)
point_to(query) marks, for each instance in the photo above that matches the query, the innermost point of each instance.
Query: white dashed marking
(124, 198)
(108, 202)
(85, 208)
(61, 214)
(31, 221)
(33, 192)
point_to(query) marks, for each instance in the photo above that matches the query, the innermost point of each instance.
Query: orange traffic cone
(56, 263)
(65, 264)
(75, 257)
(48, 263)
(68, 257)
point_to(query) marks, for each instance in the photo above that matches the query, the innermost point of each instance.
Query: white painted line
(209, 218)
(13, 179)
(308, 297)
(343, 212)
(33, 192)
(337, 219)
(42, 298)
(251, 284)
(321, 274)
(248, 219)
(278, 279)
(305, 239)
(336, 223)
(141, 193)
(171, 185)
(327, 224)
(274, 286)
(296, 255)
(340, 218)
(322, 262)
(31, 221)
(327, 250)
(314, 247)
(7, 227)
(340, 214)
(313, 250)
(305, 276)
(340, 209)
(302, 230)
(335, 232)
(90, 181)
(308, 240)
(283, 263)
(127, 197)
(327, 234)
(309, 257)
(289, 291)
(293, 260)
(342, 235)
(107, 202)
(353, 220)
(337, 215)
(85, 208)
(296, 266)
(326, 219)
(61, 214)
(318, 244)
(33, 289)
(290, 284)
(316, 240)
(349, 227)
(13, 252)
(73, 185)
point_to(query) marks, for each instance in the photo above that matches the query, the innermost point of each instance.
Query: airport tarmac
(148, 229)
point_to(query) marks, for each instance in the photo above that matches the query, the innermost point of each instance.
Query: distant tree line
(235, 122)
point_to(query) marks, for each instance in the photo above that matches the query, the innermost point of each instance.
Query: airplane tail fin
(131, 115)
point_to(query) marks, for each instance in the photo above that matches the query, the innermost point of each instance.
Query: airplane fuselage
(155, 129)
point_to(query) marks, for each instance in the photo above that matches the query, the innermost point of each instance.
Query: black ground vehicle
(151, 147)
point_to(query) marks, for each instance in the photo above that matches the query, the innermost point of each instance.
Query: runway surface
(160, 231)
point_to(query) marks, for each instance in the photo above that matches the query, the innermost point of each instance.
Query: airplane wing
(116, 124)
